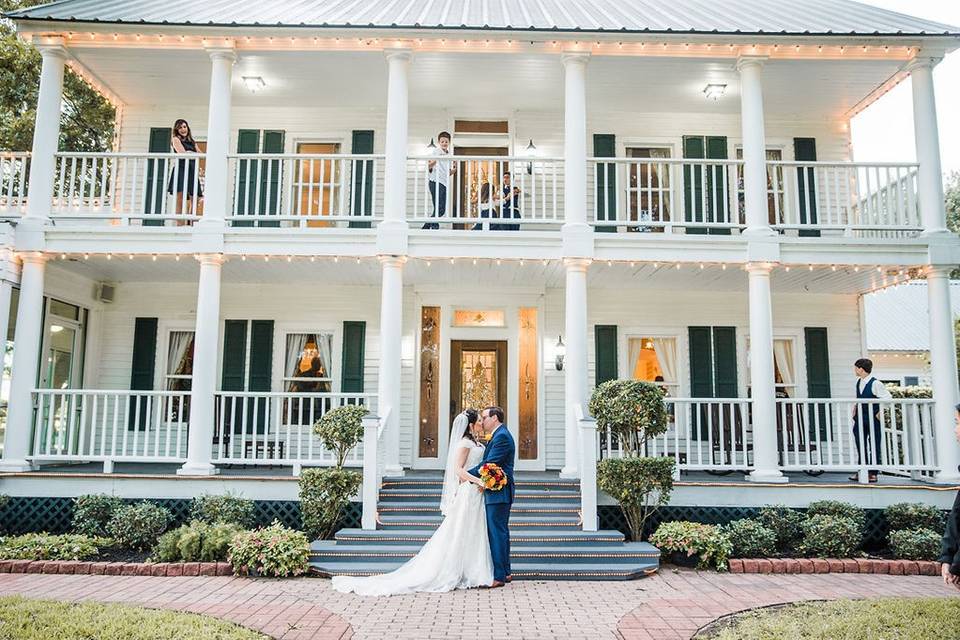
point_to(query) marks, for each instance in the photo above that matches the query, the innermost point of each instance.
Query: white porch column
(26, 362)
(217, 181)
(205, 346)
(388, 380)
(395, 169)
(575, 381)
(754, 146)
(46, 135)
(930, 178)
(943, 370)
(575, 141)
(762, 383)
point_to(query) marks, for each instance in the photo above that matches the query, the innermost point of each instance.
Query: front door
(472, 175)
(478, 375)
(60, 368)
(317, 182)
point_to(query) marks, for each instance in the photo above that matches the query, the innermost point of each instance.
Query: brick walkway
(668, 605)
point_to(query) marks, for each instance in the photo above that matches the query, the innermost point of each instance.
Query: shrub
(751, 539)
(323, 495)
(43, 546)
(632, 410)
(272, 551)
(341, 429)
(842, 510)
(915, 544)
(826, 536)
(196, 542)
(138, 526)
(786, 524)
(91, 513)
(693, 538)
(640, 485)
(229, 508)
(913, 515)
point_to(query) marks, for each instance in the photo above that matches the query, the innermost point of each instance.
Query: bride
(457, 555)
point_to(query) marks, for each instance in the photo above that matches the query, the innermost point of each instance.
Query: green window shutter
(805, 150)
(234, 364)
(362, 143)
(261, 368)
(142, 367)
(351, 376)
(818, 376)
(248, 141)
(719, 203)
(156, 174)
(605, 337)
(605, 146)
(701, 362)
(270, 178)
(725, 362)
(694, 148)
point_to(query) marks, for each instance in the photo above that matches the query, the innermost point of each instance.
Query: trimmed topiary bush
(92, 513)
(138, 526)
(751, 539)
(915, 544)
(323, 495)
(196, 542)
(43, 546)
(913, 515)
(229, 508)
(273, 551)
(632, 410)
(341, 429)
(707, 542)
(829, 536)
(839, 509)
(640, 485)
(786, 524)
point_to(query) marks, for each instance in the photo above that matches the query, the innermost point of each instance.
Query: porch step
(521, 570)
(562, 537)
(519, 508)
(432, 494)
(432, 521)
(332, 551)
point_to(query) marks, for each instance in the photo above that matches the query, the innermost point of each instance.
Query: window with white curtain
(785, 366)
(307, 363)
(654, 359)
(648, 187)
(179, 373)
(775, 187)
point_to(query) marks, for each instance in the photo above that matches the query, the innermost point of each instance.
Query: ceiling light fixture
(714, 91)
(254, 83)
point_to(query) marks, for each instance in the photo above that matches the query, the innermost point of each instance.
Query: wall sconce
(432, 145)
(253, 83)
(715, 91)
(531, 152)
(560, 351)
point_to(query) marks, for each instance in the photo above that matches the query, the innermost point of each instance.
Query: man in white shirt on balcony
(438, 175)
(867, 418)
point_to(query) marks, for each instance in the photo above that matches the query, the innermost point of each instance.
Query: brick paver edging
(158, 569)
(832, 565)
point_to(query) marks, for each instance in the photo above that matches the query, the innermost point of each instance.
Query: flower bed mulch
(117, 568)
(847, 565)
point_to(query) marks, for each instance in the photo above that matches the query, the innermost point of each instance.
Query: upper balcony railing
(14, 180)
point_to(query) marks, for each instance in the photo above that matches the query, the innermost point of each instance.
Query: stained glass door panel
(478, 375)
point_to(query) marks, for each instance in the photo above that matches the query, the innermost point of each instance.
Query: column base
(16, 466)
(189, 469)
(759, 232)
(568, 473)
(393, 471)
(773, 477)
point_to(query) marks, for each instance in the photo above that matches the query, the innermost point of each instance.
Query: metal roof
(770, 17)
(897, 319)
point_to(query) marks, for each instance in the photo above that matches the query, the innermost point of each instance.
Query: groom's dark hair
(495, 411)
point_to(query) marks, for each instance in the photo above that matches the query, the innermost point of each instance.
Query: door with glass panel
(649, 198)
(61, 369)
(318, 186)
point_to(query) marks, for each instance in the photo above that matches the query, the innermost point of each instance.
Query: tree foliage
(86, 120)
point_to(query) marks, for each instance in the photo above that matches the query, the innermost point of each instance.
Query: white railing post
(588, 469)
(575, 364)
(218, 134)
(943, 370)
(926, 133)
(371, 482)
(203, 385)
(754, 145)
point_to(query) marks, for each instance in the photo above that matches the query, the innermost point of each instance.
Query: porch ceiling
(485, 81)
(462, 274)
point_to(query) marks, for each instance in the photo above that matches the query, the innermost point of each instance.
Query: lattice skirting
(611, 517)
(53, 515)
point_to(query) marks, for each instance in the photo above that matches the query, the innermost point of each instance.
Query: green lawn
(22, 619)
(880, 619)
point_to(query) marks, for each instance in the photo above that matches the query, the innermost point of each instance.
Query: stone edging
(832, 565)
(117, 568)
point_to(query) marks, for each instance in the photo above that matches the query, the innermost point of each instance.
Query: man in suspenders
(867, 417)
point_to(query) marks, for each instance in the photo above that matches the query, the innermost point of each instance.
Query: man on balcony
(867, 429)
(439, 172)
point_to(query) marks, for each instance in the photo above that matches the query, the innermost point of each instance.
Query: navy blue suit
(501, 451)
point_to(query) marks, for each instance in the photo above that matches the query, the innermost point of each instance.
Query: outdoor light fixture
(432, 145)
(253, 83)
(715, 91)
(531, 152)
(561, 351)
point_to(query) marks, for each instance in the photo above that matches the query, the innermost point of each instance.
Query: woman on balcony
(184, 182)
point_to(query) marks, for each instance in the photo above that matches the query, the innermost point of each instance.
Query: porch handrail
(587, 431)
(370, 489)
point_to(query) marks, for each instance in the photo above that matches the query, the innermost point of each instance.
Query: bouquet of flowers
(493, 477)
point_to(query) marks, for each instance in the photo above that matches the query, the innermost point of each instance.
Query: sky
(884, 131)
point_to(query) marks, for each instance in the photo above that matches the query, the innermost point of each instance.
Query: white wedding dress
(457, 555)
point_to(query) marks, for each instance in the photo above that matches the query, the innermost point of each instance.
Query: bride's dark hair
(472, 416)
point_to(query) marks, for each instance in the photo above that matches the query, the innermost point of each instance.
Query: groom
(500, 451)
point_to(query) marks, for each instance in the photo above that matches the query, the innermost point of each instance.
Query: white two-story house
(653, 190)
